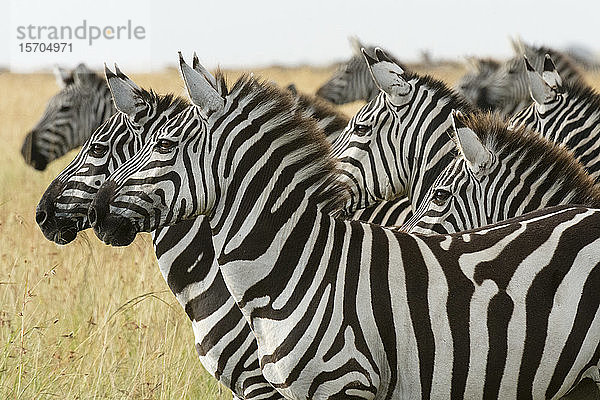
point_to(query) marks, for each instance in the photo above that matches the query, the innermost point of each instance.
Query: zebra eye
(98, 150)
(361, 130)
(440, 196)
(165, 145)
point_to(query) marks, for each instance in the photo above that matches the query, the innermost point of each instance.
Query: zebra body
(352, 81)
(499, 174)
(71, 115)
(348, 309)
(507, 90)
(566, 113)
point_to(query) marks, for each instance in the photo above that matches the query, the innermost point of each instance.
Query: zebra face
(473, 85)
(68, 119)
(147, 192)
(453, 204)
(63, 209)
(350, 83)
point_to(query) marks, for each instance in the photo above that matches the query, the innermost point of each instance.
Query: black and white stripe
(499, 174)
(352, 81)
(71, 116)
(349, 310)
(184, 251)
(507, 89)
(397, 144)
(566, 113)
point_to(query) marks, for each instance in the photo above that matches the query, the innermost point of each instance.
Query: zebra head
(200, 163)
(473, 85)
(507, 90)
(352, 81)
(500, 173)
(397, 143)
(548, 96)
(62, 211)
(70, 116)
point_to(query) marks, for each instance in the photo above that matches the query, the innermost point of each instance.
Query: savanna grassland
(88, 321)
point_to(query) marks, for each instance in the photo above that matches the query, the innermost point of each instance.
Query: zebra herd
(266, 209)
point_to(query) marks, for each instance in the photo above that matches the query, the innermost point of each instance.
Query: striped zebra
(507, 90)
(567, 113)
(472, 85)
(345, 309)
(397, 144)
(184, 251)
(498, 174)
(62, 212)
(71, 116)
(352, 80)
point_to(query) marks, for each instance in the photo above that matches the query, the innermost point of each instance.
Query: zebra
(352, 80)
(223, 341)
(71, 116)
(397, 144)
(472, 85)
(507, 90)
(566, 113)
(184, 246)
(500, 173)
(345, 309)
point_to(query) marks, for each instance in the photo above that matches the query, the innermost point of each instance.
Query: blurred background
(266, 32)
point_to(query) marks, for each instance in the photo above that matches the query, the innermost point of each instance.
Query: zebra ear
(477, 155)
(517, 45)
(355, 44)
(200, 68)
(63, 77)
(550, 74)
(125, 92)
(387, 76)
(540, 91)
(201, 91)
(82, 74)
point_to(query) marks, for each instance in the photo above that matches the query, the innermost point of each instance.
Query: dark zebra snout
(31, 153)
(111, 229)
(59, 230)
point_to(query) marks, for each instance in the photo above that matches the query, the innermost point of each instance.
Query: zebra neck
(259, 243)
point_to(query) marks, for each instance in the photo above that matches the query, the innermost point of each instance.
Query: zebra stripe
(71, 116)
(397, 144)
(566, 113)
(352, 81)
(184, 254)
(347, 309)
(507, 89)
(500, 174)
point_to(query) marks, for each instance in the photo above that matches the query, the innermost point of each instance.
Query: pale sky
(256, 33)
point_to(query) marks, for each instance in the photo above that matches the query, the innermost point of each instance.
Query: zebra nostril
(40, 217)
(92, 216)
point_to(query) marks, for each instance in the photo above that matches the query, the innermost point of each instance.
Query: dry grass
(85, 320)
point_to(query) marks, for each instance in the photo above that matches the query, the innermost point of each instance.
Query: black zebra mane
(298, 135)
(162, 102)
(583, 93)
(457, 99)
(492, 130)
